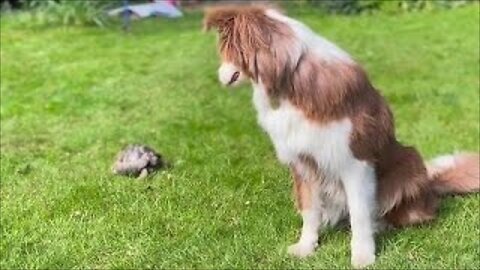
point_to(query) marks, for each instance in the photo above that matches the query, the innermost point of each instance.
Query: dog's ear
(219, 18)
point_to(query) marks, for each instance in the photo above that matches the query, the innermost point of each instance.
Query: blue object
(156, 8)
(126, 16)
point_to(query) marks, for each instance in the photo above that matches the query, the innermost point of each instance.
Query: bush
(345, 6)
(367, 6)
(68, 12)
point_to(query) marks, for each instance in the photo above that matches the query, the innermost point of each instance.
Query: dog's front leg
(306, 192)
(359, 182)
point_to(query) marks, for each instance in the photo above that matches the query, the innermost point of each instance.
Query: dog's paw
(301, 250)
(362, 259)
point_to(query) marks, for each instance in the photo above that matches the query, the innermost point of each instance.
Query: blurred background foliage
(64, 12)
(93, 12)
(353, 7)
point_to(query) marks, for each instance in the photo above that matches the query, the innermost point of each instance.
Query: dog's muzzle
(229, 75)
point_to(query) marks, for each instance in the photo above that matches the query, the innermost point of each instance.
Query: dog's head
(252, 44)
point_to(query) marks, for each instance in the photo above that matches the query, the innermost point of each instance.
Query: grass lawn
(72, 97)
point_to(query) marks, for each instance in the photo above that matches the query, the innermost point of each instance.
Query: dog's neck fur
(324, 49)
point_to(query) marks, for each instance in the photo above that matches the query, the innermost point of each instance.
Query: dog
(333, 129)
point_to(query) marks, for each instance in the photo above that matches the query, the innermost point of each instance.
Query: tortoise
(137, 161)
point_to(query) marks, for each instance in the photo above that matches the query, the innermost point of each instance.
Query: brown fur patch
(414, 211)
(401, 176)
(305, 178)
(301, 192)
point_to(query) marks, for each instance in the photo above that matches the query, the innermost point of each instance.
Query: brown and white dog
(333, 128)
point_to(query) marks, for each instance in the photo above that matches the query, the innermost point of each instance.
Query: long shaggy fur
(455, 174)
(325, 94)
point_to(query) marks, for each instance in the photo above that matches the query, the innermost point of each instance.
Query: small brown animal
(137, 161)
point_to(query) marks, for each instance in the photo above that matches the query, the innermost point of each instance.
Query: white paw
(301, 250)
(362, 259)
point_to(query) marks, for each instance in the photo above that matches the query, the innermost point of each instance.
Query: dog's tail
(455, 174)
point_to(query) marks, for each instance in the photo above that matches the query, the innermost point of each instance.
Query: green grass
(72, 97)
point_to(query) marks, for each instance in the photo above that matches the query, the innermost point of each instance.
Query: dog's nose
(234, 77)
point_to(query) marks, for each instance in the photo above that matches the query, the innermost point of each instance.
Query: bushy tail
(455, 174)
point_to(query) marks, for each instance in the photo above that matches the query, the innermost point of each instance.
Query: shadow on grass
(446, 211)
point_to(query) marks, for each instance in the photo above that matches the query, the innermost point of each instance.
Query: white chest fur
(293, 134)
